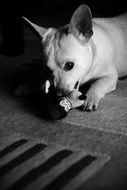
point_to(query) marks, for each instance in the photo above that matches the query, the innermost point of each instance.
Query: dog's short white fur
(86, 49)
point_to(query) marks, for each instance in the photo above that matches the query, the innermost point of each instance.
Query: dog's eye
(68, 66)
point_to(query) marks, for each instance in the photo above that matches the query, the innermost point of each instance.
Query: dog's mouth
(60, 92)
(65, 92)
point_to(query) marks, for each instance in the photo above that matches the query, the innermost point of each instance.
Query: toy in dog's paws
(64, 104)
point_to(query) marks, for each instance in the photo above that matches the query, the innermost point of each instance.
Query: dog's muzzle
(65, 92)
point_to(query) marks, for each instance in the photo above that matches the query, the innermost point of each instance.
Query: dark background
(46, 13)
(60, 8)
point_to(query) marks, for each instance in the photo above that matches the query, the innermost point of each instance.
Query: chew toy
(64, 104)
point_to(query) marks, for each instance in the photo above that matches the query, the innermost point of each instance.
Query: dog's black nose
(59, 92)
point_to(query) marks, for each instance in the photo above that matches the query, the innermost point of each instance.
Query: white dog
(86, 49)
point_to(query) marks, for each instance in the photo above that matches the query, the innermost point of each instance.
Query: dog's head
(68, 50)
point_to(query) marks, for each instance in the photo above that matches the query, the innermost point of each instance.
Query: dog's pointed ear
(40, 31)
(81, 23)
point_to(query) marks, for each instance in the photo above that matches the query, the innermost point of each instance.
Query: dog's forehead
(68, 42)
(69, 47)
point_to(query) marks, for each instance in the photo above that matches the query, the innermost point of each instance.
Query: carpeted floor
(101, 132)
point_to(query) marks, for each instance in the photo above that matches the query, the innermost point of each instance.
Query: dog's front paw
(90, 103)
(22, 90)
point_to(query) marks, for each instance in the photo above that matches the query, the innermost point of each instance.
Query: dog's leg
(29, 87)
(98, 90)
